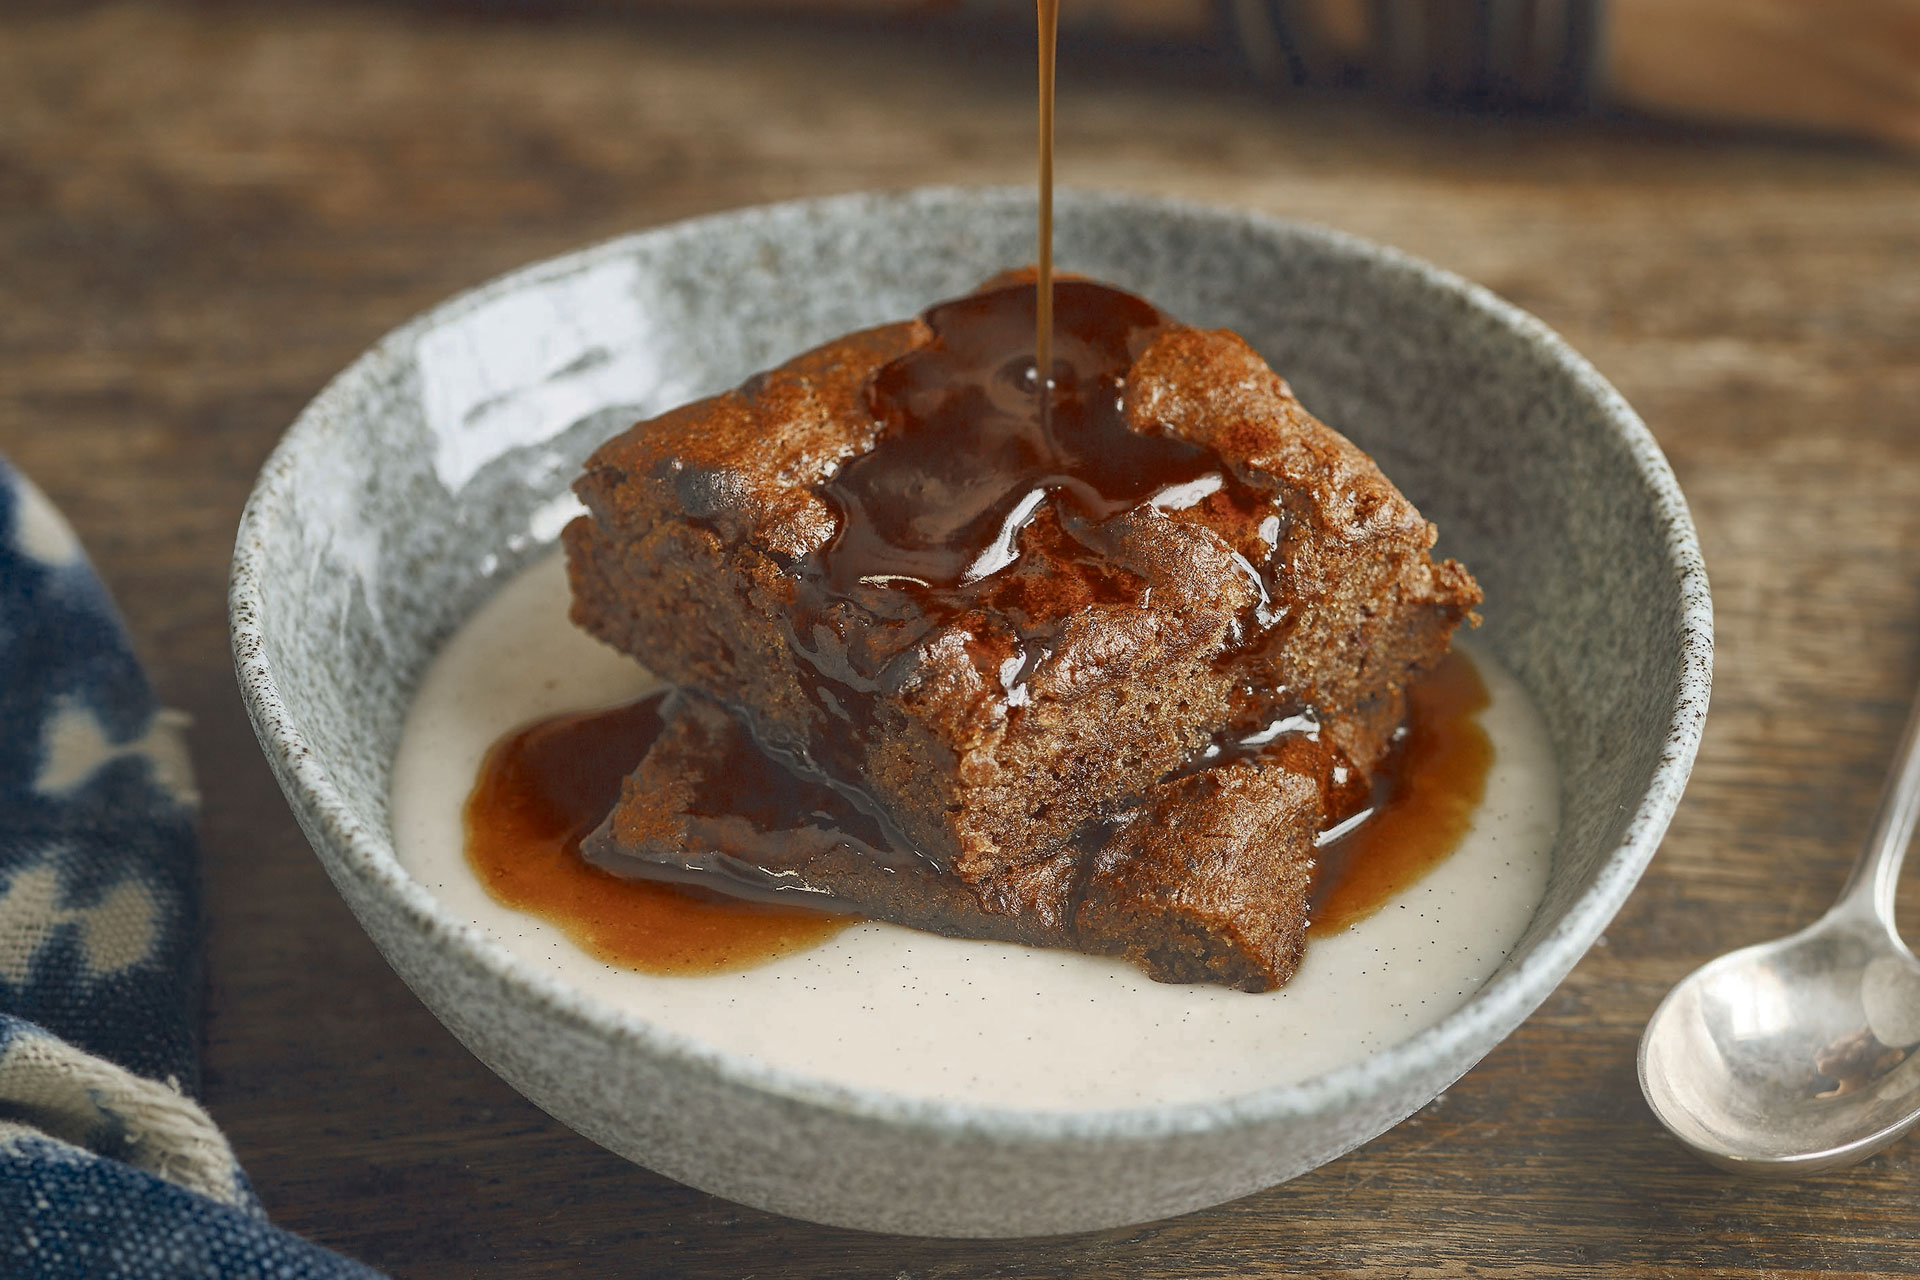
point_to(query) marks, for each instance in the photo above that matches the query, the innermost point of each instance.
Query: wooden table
(204, 212)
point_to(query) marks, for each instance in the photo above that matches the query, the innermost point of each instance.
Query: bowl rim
(1500, 1005)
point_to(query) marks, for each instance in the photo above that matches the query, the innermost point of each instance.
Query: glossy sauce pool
(543, 787)
(878, 1006)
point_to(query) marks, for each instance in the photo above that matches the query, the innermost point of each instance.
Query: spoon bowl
(1769, 1060)
(1798, 1055)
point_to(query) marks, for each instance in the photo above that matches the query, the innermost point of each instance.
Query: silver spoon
(1800, 1054)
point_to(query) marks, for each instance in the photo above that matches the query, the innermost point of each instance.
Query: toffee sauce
(542, 788)
(1048, 12)
(967, 456)
(1426, 792)
(545, 786)
(978, 509)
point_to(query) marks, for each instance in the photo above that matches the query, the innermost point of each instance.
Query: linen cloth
(108, 1167)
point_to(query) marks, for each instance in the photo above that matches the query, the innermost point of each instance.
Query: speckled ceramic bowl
(438, 463)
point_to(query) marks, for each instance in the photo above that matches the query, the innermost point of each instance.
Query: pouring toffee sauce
(545, 786)
(1049, 12)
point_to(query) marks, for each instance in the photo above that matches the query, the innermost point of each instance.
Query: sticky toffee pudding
(1098, 662)
(1042, 617)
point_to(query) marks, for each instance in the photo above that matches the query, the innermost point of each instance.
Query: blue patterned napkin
(108, 1167)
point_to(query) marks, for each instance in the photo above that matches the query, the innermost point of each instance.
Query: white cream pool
(887, 1008)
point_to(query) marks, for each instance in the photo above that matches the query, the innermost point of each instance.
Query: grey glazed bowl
(429, 471)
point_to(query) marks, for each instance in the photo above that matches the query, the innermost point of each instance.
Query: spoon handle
(1876, 875)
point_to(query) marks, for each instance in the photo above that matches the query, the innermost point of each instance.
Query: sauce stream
(1049, 16)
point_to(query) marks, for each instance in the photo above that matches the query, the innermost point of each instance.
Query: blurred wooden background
(207, 209)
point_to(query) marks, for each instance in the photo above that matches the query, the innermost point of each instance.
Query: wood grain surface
(205, 211)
